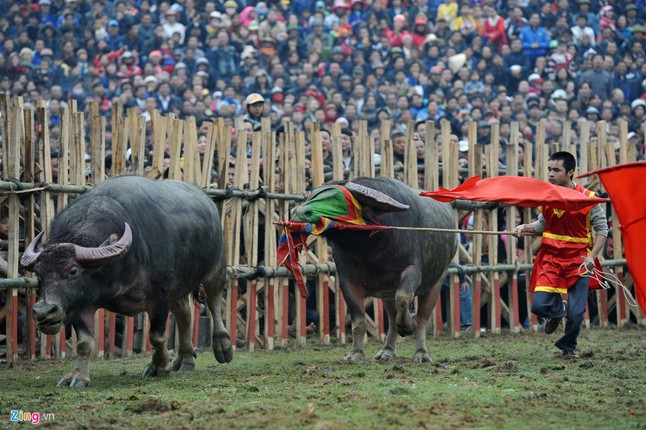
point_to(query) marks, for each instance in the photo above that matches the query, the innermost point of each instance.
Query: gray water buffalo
(393, 265)
(131, 245)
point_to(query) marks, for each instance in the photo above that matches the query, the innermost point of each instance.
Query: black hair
(569, 162)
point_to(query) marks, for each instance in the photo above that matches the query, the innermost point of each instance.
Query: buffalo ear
(375, 199)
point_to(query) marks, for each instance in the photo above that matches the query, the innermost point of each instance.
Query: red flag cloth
(629, 200)
(295, 240)
(519, 191)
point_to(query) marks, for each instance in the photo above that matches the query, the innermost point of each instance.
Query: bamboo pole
(269, 174)
(492, 156)
(47, 204)
(387, 159)
(337, 171)
(29, 161)
(512, 255)
(283, 285)
(12, 170)
(192, 170)
(159, 128)
(321, 244)
(175, 142)
(475, 169)
(252, 243)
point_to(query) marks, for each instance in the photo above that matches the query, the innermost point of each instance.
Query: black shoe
(570, 355)
(551, 324)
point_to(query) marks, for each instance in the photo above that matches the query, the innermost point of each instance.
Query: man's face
(399, 145)
(557, 175)
(256, 109)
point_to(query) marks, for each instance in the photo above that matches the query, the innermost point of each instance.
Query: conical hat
(456, 62)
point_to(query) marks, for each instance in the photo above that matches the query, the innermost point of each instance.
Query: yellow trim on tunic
(546, 289)
(566, 238)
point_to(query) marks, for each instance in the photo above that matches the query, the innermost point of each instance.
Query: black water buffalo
(132, 245)
(394, 265)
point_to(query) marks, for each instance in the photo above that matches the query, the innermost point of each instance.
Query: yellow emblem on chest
(559, 212)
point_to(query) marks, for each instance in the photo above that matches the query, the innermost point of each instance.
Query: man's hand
(588, 263)
(522, 229)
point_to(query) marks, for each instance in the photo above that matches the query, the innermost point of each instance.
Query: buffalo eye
(73, 271)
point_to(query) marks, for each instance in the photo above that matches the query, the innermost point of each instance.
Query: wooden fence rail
(263, 309)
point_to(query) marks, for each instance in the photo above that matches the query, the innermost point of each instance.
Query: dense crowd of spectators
(340, 61)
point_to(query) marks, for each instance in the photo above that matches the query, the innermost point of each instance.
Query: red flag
(629, 200)
(519, 191)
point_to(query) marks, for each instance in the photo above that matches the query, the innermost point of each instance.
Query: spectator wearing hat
(46, 12)
(606, 17)
(535, 39)
(338, 16)
(584, 8)
(420, 31)
(398, 31)
(448, 11)
(357, 13)
(638, 107)
(272, 28)
(172, 25)
(582, 31)
(113, 39)
(338, 57)
(592, 114)
(254, 107)
(631, 12)
(318, 34)
(560, 58)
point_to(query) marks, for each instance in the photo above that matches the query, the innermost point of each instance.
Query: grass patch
(506, 381)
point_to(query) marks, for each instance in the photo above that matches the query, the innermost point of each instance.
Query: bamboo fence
(252, 193)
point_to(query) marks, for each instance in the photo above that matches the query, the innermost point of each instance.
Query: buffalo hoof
(422, 357)
(385, 354)
(183, 364)
(222, 348)
(153, 370)
(356, 357)
(73, 379)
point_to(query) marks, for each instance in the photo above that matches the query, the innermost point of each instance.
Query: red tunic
(567, 240)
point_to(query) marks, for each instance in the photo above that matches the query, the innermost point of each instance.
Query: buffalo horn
(104, 254)
(373, 198)
(30, 256)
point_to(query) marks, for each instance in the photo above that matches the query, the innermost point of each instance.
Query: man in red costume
(567, 243)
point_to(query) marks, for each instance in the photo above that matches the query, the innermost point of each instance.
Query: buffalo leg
(389, 351)
(426, 302)
(354, 295)
(408, 285)
(222, 349)
(159, 366)
(182, 311)
(80, 376)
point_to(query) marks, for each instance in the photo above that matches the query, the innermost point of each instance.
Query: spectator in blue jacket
(535, 39)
